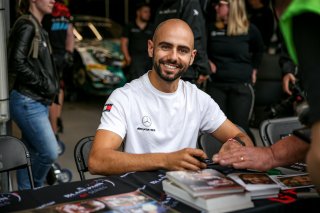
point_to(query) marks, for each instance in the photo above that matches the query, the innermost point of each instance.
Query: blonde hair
(238, 23)
(23, 7)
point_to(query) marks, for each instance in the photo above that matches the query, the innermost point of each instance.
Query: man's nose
(173, 54)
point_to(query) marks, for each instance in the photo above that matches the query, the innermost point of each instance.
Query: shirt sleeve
(212, 116)
(113, 114)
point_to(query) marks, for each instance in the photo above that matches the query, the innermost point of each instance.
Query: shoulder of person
(129, 89)
(194, 89)
(23, 24)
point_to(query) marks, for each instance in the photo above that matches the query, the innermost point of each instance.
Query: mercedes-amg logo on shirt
(146, 121)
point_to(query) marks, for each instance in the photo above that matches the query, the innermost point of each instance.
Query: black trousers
(235, 100)
(306, 36)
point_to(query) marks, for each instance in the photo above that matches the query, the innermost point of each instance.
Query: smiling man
(157, 118)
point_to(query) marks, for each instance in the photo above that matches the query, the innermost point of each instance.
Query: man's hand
(286, 80)
(185, 159)
(254, 76)
(128, 60)
(212, 67)
(241, 157)
(202, 78)
(230, 144)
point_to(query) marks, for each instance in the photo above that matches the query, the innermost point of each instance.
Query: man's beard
(164, 77)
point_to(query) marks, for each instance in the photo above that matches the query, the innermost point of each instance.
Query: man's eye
(165, 47)
(184, 51)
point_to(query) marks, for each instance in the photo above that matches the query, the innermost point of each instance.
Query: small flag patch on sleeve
(107, 107)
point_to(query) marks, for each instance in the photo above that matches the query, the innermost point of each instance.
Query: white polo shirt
(152, 121)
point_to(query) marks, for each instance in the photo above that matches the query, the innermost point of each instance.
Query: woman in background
(235, 49)
(34, 87)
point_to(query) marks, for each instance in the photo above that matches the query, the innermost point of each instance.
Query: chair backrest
(81, 154)
(13, 156)
(209, 144)
(268, 88)
(273, 130)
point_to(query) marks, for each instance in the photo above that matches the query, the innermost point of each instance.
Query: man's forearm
(289, 150)
(245, 138)
(115, 162)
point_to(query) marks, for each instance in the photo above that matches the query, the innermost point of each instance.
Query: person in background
(288, 68)
(289, 71)
(235, 49)
(158, 117)
(190, 11)
(60, 30)
(35, 85)
(303, 43)
(260, 14)
(134, 42)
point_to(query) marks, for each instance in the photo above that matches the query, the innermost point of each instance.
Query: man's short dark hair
(141, 5)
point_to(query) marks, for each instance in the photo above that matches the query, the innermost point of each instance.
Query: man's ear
(193, 55)
(150, 48)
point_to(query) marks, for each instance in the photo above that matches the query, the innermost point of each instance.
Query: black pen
(207, 161)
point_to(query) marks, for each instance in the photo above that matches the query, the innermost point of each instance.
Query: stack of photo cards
(207, 190)
(260, 185)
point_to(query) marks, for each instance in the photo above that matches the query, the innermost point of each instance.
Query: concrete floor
(81, 118)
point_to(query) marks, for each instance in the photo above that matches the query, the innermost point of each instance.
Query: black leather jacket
(34, 77)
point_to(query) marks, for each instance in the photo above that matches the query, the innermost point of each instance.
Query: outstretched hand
(257, 158)
(186, 159)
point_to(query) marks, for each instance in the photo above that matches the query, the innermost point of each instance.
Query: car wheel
(80, 77)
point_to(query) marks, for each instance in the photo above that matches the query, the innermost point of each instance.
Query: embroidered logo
(146, 121)
(107, 107)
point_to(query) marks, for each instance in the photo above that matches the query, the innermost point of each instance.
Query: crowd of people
(158, 115)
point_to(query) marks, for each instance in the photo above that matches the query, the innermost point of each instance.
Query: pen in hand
(207, 161)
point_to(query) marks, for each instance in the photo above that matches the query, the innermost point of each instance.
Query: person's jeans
(32, 118)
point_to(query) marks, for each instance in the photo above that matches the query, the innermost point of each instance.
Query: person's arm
(125, 51)
(313, 157)
(254, 76)
(288, 70)
(70, 39)
(286, 80)
(19, 46)
(287, 151)
(256, 47)
(227, 133)
(105, 159)
(213, 67)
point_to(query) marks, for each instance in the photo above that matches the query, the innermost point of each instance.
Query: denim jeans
(32, 118)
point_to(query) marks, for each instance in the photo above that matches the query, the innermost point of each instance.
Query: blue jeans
(32, 118)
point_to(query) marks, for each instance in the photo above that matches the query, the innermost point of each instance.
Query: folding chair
(13, 156)
(81, 154)
(273, 130)
(209, 144)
